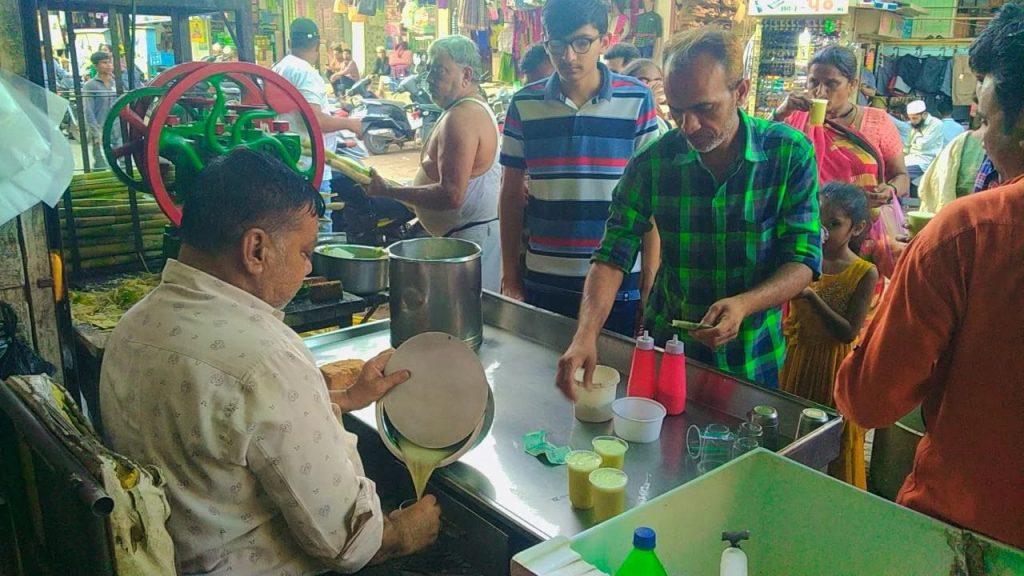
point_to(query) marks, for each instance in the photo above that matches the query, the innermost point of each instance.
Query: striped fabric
(574, 158)
(720, 239)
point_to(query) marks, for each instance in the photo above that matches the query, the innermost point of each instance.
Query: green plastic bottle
(642, 561)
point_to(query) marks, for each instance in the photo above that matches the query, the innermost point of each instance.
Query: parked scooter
(423, 105)
(360, 89)
(387, 122)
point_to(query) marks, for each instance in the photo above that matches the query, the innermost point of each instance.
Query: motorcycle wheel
(375, 145)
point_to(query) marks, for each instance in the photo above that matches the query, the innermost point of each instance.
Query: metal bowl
(363, 270)
(388, 434)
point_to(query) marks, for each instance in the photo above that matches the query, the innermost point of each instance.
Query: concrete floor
(399, 164)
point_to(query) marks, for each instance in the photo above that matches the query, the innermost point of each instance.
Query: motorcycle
(387, 122)
(499, 104)
(372, 221)
(360, 89)
(364, 220)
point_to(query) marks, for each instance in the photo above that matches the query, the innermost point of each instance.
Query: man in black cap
(299, 68)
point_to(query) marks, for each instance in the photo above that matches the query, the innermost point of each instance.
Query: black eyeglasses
(579, 45)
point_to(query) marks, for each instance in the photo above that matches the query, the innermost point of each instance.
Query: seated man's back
(203, 380)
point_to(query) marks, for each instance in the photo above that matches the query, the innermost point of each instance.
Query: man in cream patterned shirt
(204, 380)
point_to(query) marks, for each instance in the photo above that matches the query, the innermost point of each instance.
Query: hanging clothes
(933, 69)
(947, 78)
(884, 72)
(617, 29)
(909, 68)
(482, 39)
(473, 15)
(528, 29)
(965, 83)
(506, 69)
(648, 29)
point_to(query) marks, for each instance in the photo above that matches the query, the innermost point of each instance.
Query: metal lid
(815, 414)
(446, 395)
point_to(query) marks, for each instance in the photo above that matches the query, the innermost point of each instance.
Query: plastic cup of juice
(612, 451)
(817, 113)
(608, 490)
(581, 463)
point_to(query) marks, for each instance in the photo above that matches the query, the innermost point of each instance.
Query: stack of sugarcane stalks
(102, 220)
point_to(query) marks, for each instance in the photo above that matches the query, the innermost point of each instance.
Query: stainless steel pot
(389, 435)
(435, 287)
(331, 238)
(363, 271)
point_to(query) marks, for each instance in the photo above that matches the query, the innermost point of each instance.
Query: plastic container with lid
(642, 379)
(671, 390)
(594, 404)
(642, 560)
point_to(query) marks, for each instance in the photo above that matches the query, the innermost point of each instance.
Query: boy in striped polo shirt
(573, 134)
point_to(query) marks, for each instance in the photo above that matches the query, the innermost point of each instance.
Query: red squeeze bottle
(641, 372)
(672, 378)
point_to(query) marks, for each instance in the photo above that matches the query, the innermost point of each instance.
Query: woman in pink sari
(864, 146)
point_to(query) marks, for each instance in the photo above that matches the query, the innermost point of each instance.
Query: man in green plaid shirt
(735, 200)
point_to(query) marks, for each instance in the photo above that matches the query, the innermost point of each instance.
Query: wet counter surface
(520, 354)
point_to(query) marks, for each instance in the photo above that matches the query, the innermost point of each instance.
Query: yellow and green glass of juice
(581, 463)
(612, 451)
(608, 492)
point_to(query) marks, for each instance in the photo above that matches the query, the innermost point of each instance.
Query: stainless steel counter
(520, 353)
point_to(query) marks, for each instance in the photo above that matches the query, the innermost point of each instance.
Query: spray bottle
(734, 559)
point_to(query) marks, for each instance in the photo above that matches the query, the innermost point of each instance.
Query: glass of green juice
(608, 491)
(612, 451)
(580, 464)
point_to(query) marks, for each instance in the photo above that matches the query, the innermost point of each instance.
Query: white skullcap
(916, 107)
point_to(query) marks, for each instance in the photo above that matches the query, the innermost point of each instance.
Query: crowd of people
(592, 205)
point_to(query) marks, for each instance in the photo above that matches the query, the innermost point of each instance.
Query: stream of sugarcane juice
(421, 462)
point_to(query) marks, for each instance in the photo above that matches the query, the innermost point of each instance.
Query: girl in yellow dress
(825, 319)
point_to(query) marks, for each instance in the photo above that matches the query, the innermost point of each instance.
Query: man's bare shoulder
(469, 116)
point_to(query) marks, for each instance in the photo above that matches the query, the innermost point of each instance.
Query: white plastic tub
(594, 404)
(638, 419)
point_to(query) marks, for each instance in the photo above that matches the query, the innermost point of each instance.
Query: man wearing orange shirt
(950, 333)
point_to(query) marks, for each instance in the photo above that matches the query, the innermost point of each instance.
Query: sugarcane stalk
(92, 175)
(349, 168)
(85, 212)
(98, 183)
(86, 252)
(93, 202)
(104, 261)
(117, 230)
(92, 221)
(148, 234)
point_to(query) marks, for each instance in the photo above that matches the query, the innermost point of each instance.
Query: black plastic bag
(19, 359)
